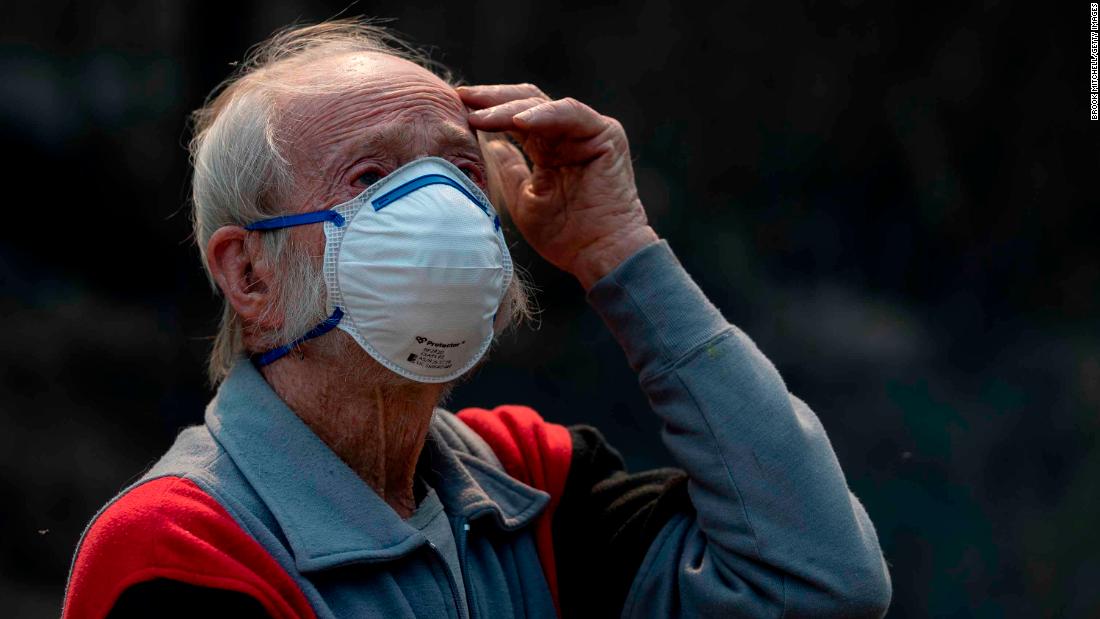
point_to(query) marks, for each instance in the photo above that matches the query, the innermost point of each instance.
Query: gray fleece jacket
(252, 514)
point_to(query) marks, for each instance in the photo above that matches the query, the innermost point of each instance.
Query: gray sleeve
(776, 532)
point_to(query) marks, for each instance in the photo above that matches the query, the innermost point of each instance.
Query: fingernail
(524, 116)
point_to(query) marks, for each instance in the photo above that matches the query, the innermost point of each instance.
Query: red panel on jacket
(536, 453)
(169, 528)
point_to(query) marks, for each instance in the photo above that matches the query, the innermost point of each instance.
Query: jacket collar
(329, 515)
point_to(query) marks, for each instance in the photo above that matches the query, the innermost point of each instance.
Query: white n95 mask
(416, 267)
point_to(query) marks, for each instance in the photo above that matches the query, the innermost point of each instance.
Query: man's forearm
(774, 514)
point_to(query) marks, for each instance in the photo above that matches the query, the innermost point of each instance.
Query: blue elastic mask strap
(278, 353)
(301, 219)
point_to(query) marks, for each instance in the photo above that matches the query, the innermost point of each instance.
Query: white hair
(240, 174)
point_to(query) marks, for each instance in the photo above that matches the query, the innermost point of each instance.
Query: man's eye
(368, 178)
(472, 173)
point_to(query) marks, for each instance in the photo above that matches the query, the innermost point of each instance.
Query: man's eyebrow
(393, 137)
(387, 137)
(453, 136)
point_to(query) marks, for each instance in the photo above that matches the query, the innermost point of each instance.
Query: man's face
(384, 113)
(377, 113)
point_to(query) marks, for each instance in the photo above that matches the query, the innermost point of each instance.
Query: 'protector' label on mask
(432, 355)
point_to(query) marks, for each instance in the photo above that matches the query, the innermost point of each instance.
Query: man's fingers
(478, 97)
(567, 117)
(512, 169)
(499, 117)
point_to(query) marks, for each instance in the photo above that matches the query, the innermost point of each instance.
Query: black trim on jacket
(605, 523)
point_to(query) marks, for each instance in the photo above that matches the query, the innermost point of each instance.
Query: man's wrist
(654, 309)
(598, 260)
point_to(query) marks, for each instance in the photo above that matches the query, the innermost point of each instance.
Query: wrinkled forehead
(327, 99)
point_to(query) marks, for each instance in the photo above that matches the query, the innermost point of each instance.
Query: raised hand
(578, 205)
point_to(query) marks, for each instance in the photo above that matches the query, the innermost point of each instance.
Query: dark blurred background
(897, 200)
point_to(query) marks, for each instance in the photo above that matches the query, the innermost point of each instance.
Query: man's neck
(375, 421)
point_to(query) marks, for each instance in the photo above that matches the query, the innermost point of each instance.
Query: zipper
(450, 581)
(460, 543)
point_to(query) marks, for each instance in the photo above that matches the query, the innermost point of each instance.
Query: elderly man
(340, 207)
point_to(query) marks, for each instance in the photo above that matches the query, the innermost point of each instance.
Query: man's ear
(244, 274)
